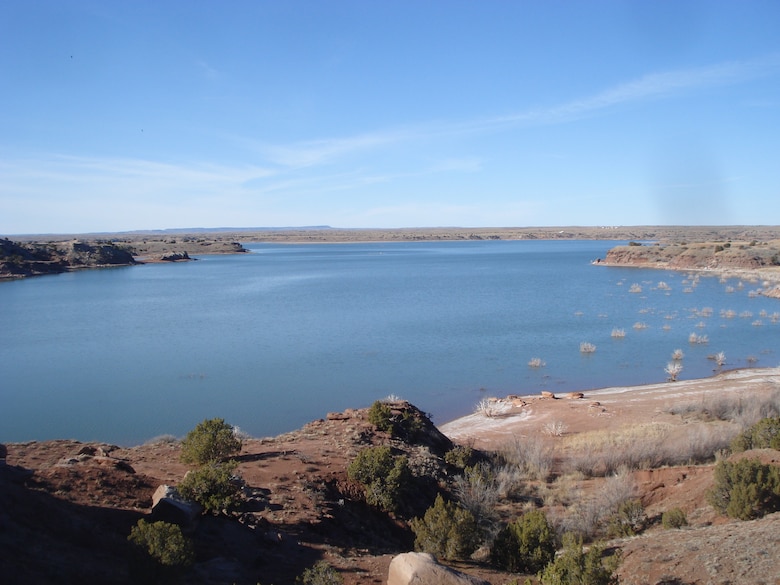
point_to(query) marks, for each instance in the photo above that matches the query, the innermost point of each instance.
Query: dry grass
(603, 453)
(742, 409)
(533, 457)
(588, 515)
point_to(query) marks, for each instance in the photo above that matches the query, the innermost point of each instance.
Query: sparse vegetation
(211, 440)
(447, 531)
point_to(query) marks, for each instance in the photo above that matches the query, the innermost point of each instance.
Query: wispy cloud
(315, 152)
(653, 86)
(207, 70)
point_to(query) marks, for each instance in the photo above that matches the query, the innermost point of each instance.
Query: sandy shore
(603, 408)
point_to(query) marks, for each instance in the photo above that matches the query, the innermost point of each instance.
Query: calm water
(276, 338)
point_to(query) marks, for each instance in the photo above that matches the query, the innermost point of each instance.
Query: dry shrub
(589, 517)
(744, 409)
(531, 456)
(478, 491)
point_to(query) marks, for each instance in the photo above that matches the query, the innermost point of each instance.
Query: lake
(283, 335)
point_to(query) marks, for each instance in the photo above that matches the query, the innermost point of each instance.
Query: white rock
(422, 569)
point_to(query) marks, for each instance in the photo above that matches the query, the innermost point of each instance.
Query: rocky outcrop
(169, 506)
(699, 255)
(18, 260)
(416, 568)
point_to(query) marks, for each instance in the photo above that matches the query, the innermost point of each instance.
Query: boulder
(417, 568)
(169, 506)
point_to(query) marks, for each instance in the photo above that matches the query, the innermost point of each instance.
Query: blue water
(279, 337)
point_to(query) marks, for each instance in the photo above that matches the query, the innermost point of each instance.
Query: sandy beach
(606, 408)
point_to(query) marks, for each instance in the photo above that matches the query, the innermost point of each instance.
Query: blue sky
(169, 114)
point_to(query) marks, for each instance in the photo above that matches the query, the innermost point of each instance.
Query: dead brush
(532, 456)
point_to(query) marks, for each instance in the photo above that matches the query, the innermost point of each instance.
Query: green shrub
(674, 518)
(320, 574)
(746, 489)
(407, 424)
(575, 567)
(162, 552)
(211, 440)
(382, 475)
(629, 519)
(212, 486)
(446, 530)
(460, 456)
(765, 434)
(525, 545)
(381, 416)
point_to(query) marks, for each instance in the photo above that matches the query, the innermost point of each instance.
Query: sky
(138, 115)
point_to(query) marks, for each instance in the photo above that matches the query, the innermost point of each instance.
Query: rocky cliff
(18, 260)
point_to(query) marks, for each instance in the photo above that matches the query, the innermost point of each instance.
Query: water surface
(273, 339)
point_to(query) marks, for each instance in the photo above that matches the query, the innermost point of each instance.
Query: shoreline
(771, 274)
(516, 414)
(602, 408)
